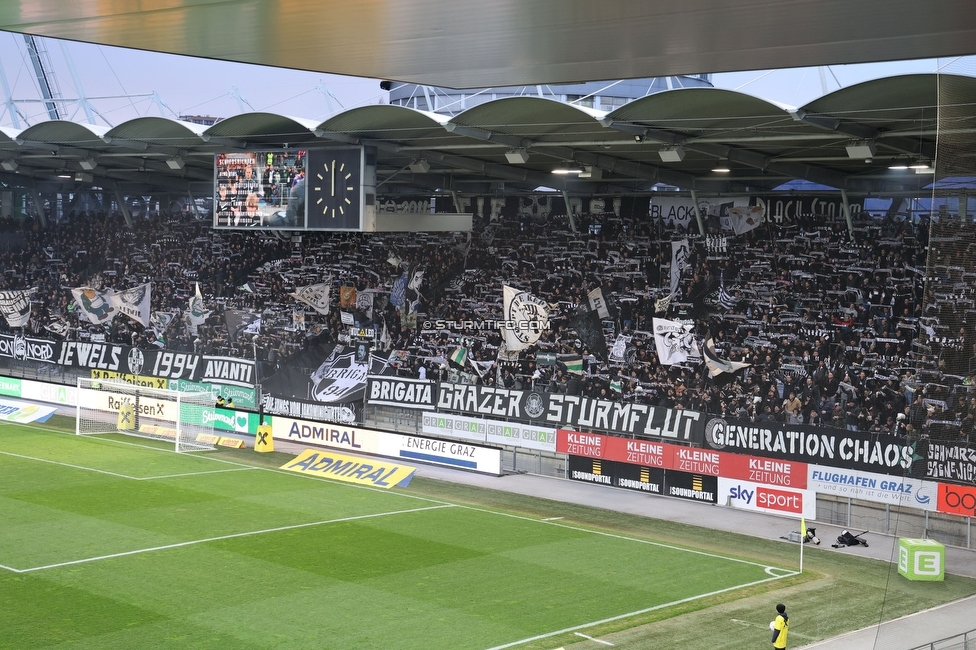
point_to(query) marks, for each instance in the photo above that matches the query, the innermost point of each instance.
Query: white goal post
(185, 419)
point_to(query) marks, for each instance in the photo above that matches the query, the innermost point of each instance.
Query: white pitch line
(589, 638)
(10, 568)
(550, 522)
(222, 537)
(56, 462)
(629, 614)
(212, 471)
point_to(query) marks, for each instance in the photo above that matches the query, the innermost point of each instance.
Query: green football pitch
(118, 543)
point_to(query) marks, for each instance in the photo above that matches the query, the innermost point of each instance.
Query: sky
(124, 84)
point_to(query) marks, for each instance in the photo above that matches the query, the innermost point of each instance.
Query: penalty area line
(57, 462)
(583, 626)
(222, 537)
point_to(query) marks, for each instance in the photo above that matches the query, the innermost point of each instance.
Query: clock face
(335, 189)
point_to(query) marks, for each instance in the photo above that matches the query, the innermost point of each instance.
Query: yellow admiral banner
(327, 464)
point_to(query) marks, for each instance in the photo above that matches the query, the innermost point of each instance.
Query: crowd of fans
(837, 330)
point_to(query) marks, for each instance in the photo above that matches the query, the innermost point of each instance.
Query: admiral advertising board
(455, 454)
(863, 451)
(401, 392)
(764, 498)
(555, 410)
(868, 486)
(686, 459)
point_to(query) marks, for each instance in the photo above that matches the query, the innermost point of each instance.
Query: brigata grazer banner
(573, 411)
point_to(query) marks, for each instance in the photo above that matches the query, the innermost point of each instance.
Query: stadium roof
(472, 44)
(765, 144)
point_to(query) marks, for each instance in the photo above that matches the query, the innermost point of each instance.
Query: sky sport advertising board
(456, 454)
(878, 488)
(757, 497)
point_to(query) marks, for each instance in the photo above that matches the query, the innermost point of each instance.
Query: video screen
(260, 189)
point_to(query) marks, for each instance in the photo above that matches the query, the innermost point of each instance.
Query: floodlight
(83, 177)
(672, 154)
(419, 166)
(517, 156)
(861, 149)
(722, 167)
(88, 164)
(9, 165)
(175, 163)
(593, 173)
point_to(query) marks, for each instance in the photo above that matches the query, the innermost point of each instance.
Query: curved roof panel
(263, 126)
(702, 110)
(534, 118)
(62, 132)
(159, 130)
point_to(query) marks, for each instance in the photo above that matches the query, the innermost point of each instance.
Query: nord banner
(572, 411)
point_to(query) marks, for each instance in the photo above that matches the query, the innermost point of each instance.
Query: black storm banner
(883, 454)
(574, 412)
(165, 364)
(400, 391)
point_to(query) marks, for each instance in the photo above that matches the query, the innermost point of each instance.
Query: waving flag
(527, 316)
(96, 305)
(674, 341)
(315, 296)
(717, 365)
(16, 306)
(398, 297)
(136, 303)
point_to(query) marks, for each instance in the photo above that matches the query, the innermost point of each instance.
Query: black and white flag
(527, 317)
(240, 322)
(725, 299)
(598, 303)
(16, 306)
(136, 303)
(716, 364)
(680, 254)
(315, 296)
(675, 341)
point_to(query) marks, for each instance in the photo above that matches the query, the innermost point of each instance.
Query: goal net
(185, 419)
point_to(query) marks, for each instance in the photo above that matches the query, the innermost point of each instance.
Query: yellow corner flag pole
(803, 537)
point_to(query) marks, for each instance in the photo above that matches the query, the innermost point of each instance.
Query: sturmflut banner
(572, 411)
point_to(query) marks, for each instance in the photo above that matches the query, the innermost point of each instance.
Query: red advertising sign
(957, 500)
(695, 460)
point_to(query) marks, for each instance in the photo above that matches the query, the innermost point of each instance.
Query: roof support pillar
(569, 212)
(38, 206)
(698, 217)
(847, 213)
(123, 206)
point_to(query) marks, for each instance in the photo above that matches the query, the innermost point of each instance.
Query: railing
(964, 641)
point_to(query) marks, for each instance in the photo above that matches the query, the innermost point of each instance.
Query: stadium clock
(335, 188)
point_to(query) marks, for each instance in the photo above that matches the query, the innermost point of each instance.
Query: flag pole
(803, 536)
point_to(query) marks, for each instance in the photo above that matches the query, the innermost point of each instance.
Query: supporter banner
(439, 452)
(686, 459)
(694, 487)
(96, 306)
(227, 370)
(556, 410)
(952, 462)
(15, 306)
(347, 413)
(399, 391)
(957, 500)
(763, 498)
(818, 445)
(780, 209)
(23, 412)
(136, 303)
(10, 387)
(352, 470)
(879, 488)
(20, 347)
(326, 373)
